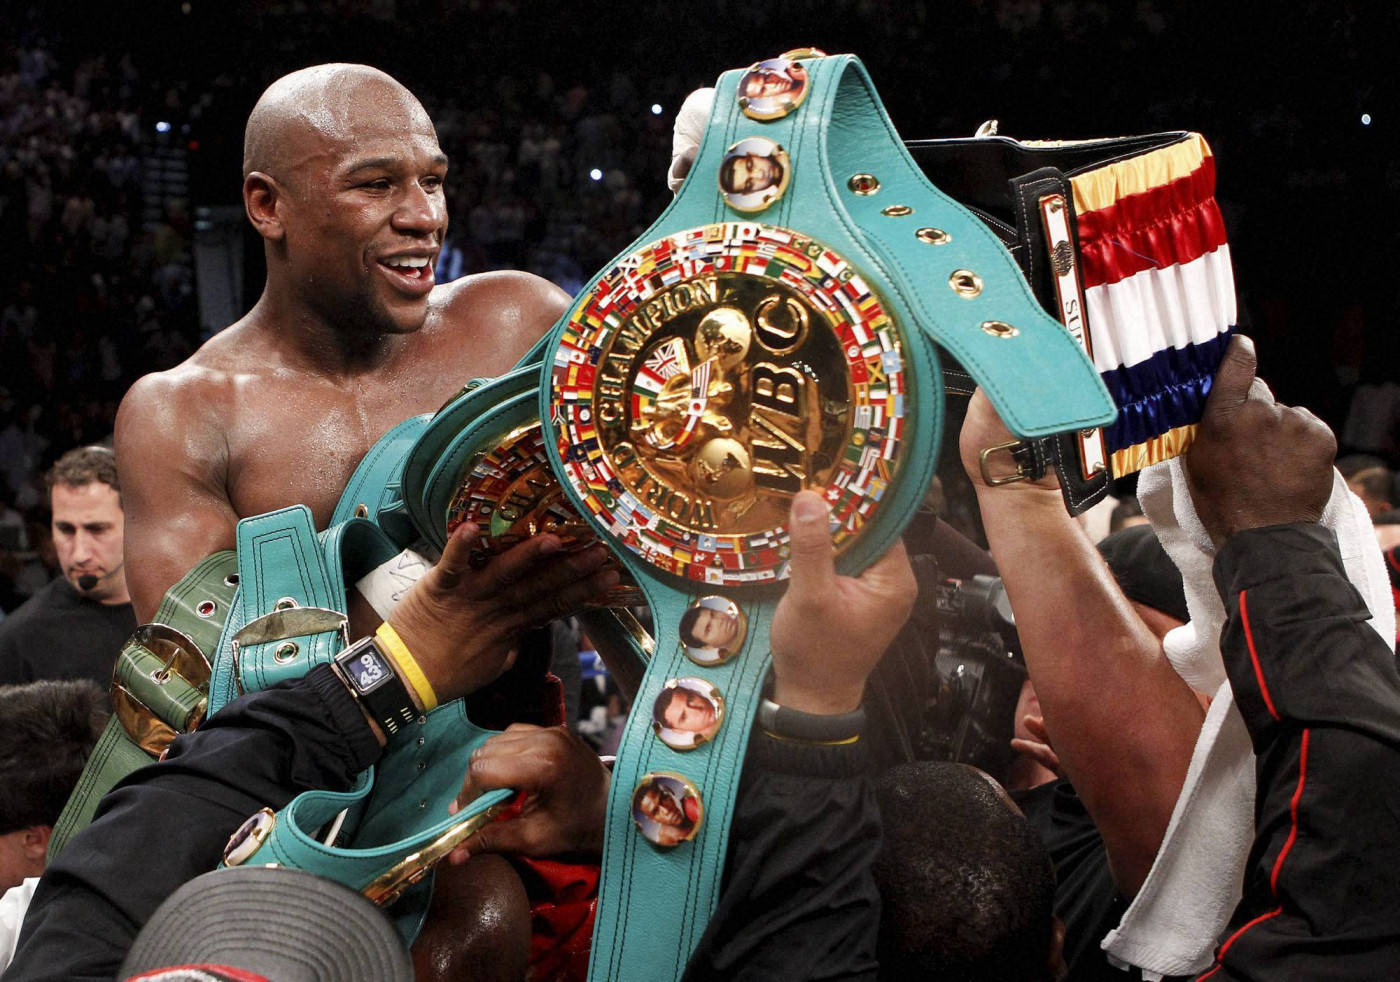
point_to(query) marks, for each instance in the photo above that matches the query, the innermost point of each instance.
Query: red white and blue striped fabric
(1159, 292)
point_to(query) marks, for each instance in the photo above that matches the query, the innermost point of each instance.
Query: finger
(812, 567)
(559, 573)
(1037, 752)
(1233, 379)
(516, 835)
(566, 600)
(504, 762)
(517, 562)
(456, 557)
(1035, 726)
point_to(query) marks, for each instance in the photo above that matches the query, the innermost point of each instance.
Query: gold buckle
(182, 659)
(388, 886)
(996, 482)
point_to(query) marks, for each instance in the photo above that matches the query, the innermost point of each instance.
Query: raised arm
(172, 459)
(1317, 688)
(1122, 721)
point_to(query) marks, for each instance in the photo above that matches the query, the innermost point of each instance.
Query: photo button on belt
(771, 89)
(249, 837)
(687, 713)
(666, 809)
(753, 174)
(713, 630)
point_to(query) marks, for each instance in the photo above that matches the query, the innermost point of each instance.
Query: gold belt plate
(710, 376)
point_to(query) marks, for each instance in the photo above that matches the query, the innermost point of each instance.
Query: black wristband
(792, 724)
(370, 676)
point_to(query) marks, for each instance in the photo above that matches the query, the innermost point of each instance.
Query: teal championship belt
(775, 329)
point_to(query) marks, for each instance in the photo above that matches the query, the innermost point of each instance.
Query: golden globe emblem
(711, 375)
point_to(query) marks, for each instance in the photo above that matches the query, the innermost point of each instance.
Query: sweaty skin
(343, 179)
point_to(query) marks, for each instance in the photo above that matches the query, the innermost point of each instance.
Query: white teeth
(407, 262)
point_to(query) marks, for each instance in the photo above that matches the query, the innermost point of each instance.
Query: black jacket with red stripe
(1320, 694)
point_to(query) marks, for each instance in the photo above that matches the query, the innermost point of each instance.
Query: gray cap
(258, 922)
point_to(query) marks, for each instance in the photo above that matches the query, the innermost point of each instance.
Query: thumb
(496, 837)
(1230, 388)
(813, 567)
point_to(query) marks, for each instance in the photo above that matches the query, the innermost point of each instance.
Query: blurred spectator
(75, 626)
(63, 719)
(1375, 486)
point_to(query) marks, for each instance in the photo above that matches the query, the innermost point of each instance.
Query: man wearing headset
(74, 627)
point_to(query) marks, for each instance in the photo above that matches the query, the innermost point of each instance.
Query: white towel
(1175, 922)
(686, 133)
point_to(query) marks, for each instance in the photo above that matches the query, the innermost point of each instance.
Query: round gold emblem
(754, 173)
(710, 376)
(687, 713)
(510, 493)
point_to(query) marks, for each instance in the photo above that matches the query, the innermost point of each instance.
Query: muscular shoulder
(173, 417)
(502, 312)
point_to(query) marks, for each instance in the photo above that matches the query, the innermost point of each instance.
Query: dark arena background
(121, 125)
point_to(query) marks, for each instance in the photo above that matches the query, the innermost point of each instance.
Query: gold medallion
(771, 89)
(666, 808)
(713, 630)
(709, 377)
(249, 837)
(753, 174)
(687, 713)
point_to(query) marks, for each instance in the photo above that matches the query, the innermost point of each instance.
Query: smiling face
(360, 210)
(765, 83)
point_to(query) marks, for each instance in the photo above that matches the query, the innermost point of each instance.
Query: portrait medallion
(687, 712)
(666, 808)
(771, 89)
(754, 173)
(711, 375)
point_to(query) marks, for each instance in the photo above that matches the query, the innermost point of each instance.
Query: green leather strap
(375, 489)
(196, 606)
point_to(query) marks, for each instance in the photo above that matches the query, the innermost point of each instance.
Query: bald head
(325, 101)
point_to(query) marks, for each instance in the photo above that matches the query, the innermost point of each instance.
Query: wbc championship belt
(777, 328)
(774, 330)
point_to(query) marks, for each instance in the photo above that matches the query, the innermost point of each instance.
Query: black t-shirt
(1086, 898)
(60, 634)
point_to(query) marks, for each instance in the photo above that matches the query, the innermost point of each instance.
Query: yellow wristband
(394, 645)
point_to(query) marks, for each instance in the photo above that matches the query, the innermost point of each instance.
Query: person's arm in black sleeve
(169, 822)
(1317, 688)
(799, 899)
(1319, 691)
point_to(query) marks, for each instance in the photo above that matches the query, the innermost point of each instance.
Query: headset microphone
(87, 581)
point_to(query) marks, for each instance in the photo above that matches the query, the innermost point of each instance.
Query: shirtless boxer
(343, 179)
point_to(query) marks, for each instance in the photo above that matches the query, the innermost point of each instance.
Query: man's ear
(36, 842)
(1056, 969)
(263, 200)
